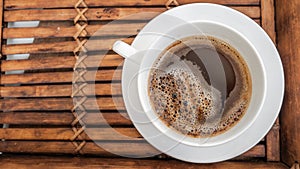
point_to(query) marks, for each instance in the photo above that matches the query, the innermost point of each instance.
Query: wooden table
(40, 128)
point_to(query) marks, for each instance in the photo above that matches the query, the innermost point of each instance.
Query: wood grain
(60, 77)
(132, 28)
(59, 90)
(63, 118)
(93, 14)
(135, 148)
(273, 143)
(60, 47)
(21, 4)
(100, 14)
(1, 24)
(288, 38)
(58, 62)
(50, 162)
(268, 24)
(268, 18)
(60, 134)
(1, 32)
(104, 103)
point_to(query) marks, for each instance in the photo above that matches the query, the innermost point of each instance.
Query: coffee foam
(185, 101)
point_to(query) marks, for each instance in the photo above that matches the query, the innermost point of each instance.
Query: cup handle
(123, 49)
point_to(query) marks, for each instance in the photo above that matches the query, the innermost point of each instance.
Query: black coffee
(200, 86)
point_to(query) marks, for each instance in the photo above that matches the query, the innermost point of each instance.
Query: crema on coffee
(200, 86)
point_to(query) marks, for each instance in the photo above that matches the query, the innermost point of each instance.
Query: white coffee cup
(225, 33)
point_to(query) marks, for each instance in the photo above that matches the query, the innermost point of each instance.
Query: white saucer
(270, 109)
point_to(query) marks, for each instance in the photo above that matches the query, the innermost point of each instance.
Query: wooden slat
(21, 4)
(59, 47)
(56, 62)
(256, 151)
(99, 133)
(104, 103)
(50, 162)
(273, 143)
(288, 40)
(63, 118)
(50, 32)
(1, 31)
(59, 77)
(66, 46)
(1, 24)
(59, 90)
(268, 24)
(99, 13)
(59, 31)
(66, 133)
(125, 148)
(268, 18)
